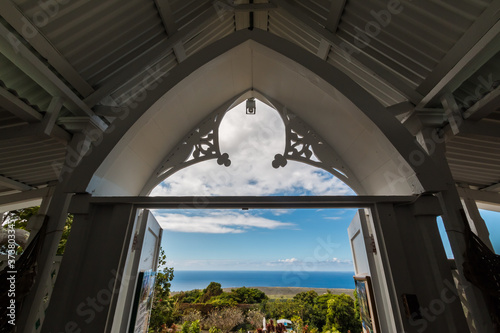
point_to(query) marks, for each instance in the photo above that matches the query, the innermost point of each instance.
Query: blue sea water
(189, 280)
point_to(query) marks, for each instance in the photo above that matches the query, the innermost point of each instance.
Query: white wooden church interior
(101, 100)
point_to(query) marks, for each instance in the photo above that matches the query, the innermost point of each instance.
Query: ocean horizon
(189, 280)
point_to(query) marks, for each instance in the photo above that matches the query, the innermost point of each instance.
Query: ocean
(189, 280)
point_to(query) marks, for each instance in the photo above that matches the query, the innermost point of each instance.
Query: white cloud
(289, 265)
(278, 212)
(216, 222)
(251, 142)
(332, 217)
(340, 261)
(291, 260)
(310, 264)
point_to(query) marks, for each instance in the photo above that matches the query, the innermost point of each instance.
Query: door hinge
(374, 247)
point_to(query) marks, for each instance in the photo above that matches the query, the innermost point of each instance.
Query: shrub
(254, 318)
(195, 327)
(185, 327)
(192, 315)
(224, 319)
(342, 315)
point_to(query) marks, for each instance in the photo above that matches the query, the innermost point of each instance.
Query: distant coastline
(289, 292)
(321, 281)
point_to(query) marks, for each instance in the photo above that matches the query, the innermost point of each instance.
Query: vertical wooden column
(476, 222)
(451, 206)
(56, 213)
(417, 267)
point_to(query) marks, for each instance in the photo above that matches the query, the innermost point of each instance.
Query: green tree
(191, 296)
(306, 297)
(356, 306)
(213, 289)
(20, 218)
(304, 303)
(246, 295)
(342, 315)
(280, 308)
(223, 300)
(163, 310)
(318, 316)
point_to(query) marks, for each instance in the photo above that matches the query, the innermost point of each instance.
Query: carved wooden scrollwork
(200, 145)
(304, 145)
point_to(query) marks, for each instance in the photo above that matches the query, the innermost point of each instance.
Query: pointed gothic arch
(302, 145)
(398, 172)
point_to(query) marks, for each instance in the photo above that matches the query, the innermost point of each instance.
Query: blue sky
(492, 220)
(297, 240)
(304, 240)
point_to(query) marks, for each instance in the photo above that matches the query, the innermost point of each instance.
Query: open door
(369, 275)
(141, 265)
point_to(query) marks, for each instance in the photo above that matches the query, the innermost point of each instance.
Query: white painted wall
(364, 148)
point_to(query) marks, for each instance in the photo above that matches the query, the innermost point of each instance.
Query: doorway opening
(258, 247)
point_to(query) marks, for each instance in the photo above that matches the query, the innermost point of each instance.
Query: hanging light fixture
(251, 106)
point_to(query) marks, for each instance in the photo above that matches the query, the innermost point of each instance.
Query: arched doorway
(378, 151)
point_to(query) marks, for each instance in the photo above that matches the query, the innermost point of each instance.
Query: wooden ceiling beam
(478, 44)
(17, 107)
(334, 15)
(13, 15)
(14, 184)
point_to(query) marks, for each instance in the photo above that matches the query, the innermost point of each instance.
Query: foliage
(311, 310)
(20, 218)
(213, 289)
(163, 310)
(185, 327)
(223, 300)
(332, 330)
(270, 326)
(192, 315)
(341, 314)
(191, 296)
(298, 323)
(195, 327)
(306, 297)
(356, 306)
(246, 295)
(65, 234)
(280, 328)
(214, 295)
(280, 308)
(241, 295)
(224, 319)
(318, 315)
(254, 318)
(214, 329)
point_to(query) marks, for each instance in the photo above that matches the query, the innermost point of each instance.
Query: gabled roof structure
(97, 96)
(64, 65)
